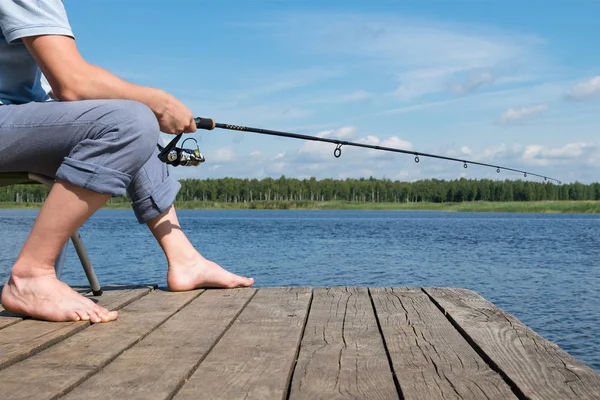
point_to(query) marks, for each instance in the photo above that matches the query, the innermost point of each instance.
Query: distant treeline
(355, 190)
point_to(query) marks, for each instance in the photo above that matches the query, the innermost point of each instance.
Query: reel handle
(205, 123)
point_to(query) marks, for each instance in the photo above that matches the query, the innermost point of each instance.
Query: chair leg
(60, 260)
(87, 265)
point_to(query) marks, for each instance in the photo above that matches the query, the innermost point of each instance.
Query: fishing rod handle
(205, 123)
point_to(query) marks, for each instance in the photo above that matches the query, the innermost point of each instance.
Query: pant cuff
(158, 202)
(93, 177)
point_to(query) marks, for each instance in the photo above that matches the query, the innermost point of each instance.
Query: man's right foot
(202, 273)
(47, 298)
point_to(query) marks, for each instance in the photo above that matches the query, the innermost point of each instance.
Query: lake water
(542, 268)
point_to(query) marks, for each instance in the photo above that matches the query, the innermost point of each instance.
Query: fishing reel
(176, 156)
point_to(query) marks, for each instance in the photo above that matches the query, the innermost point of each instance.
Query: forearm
(92, 82)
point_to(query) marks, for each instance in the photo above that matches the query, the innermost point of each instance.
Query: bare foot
(202, 273)
(47, 298)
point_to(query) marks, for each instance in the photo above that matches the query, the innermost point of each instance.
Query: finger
(168, 128)
(191, 127)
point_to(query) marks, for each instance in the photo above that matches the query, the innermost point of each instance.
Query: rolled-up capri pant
(106, 146)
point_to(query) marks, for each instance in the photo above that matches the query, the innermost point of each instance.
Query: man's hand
(173, 116)
(72, 78)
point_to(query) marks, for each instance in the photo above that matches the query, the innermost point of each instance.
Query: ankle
(31, 269)
(183, 259)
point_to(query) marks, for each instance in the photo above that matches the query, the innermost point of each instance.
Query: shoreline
(557, 207)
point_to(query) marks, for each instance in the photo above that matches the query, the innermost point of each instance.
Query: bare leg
(188, 269)
(33, 288)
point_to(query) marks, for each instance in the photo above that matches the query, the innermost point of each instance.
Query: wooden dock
(289, 343)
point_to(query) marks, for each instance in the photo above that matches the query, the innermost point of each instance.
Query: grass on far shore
(567, 206)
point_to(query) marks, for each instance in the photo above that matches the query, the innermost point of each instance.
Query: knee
(136, 125)
(129, 129)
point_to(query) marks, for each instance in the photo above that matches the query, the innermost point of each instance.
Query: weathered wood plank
(24, 339)
(255, 357)
(539, 368)
(342, 354)
(65, 365)
(7, 319)
(156, 366)
(430, 357)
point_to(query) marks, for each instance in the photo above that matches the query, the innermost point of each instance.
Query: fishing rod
(176, 156)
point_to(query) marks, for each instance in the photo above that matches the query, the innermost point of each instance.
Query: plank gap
(385, 346)
(488, 360)
(210, 349)
(111, 359)
(291, 377)
(255, 357)
(11, 319)
(48, 337)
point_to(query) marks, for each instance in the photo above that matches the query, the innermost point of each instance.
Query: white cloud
(488, 101)
(352, 97)
(397, 143)
(572, 159)
(276, 82)
(413, 43)
(346, 132)
(343, 133)
(312, 151)
(474, 82)
(371, 140)
(359, 95)
(516, 115)
(568, 151)
(224, 154)
(425, 56)
(419, 82)
(585, 90)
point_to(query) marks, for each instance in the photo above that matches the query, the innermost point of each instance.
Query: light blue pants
(106, 146)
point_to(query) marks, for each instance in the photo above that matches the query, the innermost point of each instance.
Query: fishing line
(171, 154)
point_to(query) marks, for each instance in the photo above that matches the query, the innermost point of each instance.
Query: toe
(246, 282)
(73, 316)
(105, 315)
(95, 317)
(83, 315)
(109, 316)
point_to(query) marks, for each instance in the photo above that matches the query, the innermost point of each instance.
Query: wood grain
(539, 368)
(342, 353)
(30, 336)
(430, 357)
(255, 357)
(7, 318)
(68, 363)
(156, 366)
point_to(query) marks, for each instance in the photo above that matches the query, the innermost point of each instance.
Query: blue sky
(514, 83)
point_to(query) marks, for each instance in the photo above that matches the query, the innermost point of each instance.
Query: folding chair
(14, 178)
